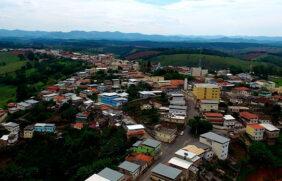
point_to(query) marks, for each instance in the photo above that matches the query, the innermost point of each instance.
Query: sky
(165, 17)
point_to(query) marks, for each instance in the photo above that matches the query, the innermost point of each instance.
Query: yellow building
(255, 131)
(206, 91)
(28, 131)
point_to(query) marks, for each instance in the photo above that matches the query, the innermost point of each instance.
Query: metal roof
(151, 143)
(110, 174)
(215, 137)
(269, 127)
(166, 171)
(180, 162)
(96, 177)
(129, 166)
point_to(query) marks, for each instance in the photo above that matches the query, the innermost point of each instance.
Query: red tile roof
(143, 157)
(241, 89)
(255, 126)
(177, 82)
(248, 115)
(211, 114)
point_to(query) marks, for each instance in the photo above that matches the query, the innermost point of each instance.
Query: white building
(209, 105)
(229, 121)
(219, 144)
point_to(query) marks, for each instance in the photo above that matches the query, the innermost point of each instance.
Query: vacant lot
(9, 63)
(7, 93)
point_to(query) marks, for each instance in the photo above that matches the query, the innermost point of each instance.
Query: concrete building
(28, 131)
(214, 118)
(198, 72)
(229, 121)
(248, 118)
(165, 134)
(255, 131)
(130, 169)
(219, 144)
(177, 105)
(208, 105)
(111, 175)
(44, 128)
(163, 172)
(96, 177)
(271, 131)
(14, 128)
(206, 91)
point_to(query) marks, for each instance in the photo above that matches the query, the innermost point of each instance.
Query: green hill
(9, 63)
(207, 61)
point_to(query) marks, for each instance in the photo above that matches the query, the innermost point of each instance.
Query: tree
(260, 155)
(199, 126)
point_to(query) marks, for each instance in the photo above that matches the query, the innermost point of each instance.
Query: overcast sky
(174, 17)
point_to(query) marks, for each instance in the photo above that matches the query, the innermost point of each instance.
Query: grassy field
(7, 93)
(277, 80)
(9, 63)
(208, 61)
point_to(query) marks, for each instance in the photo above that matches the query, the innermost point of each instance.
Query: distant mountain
(95, 35)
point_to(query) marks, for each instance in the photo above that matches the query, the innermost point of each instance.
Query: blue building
(44, 128)
(112, 99)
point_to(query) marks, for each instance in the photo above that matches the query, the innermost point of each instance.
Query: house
(181, 164)
(78, 125)
(237, 109)
(12, 107)
(170, 118)
(163, 172)
(141, 159)
(44, 128)
(12, 127)
(206, 91)
(178, 110)
(31, 102)
(189, 156)
(165, 134)
(242, 91)
(146, 94)
(53, 88)
(111, 175)
(208, 105)
(255, 131)
(82, 116)
(130, 169)
(28, 131)
(271, 131)
(3, 115)
(218, 143)
(248, 118)
(112, 99)
(214, 118)
(96, 177)
(198, 72)
(201, 150)
(229, 121)
(177, 99)
(24, 106)
(149, 146)
(137, 130)
(49, 97)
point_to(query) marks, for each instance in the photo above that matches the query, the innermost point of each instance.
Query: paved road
(168, 150)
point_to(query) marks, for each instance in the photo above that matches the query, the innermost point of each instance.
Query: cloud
(189, 17)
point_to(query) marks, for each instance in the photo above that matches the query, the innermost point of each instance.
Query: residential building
(82, 116)
(218, 143)
(174, 119)
(96, 177)
(12, 127)
(214, 118)
(137, 130)
(242, 91)
(189, 156)
(111, 175)
(23, 106)
(255, 131)
(141, 159)
(248, 118)
(3, 115)
(201, 150)
(112, 99)
(198, 72)
(206, 91)
(182, 165)
(44, 128)
(229, 121)
(271, 131)
(49, 97)
(130, 169)
(163, 172)
(28, 131)
(208, 105)
(149, 146)
(177, 105)
(165, 134)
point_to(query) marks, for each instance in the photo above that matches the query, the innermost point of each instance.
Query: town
(182, 123)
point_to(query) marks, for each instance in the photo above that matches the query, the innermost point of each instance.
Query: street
(168, 150)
